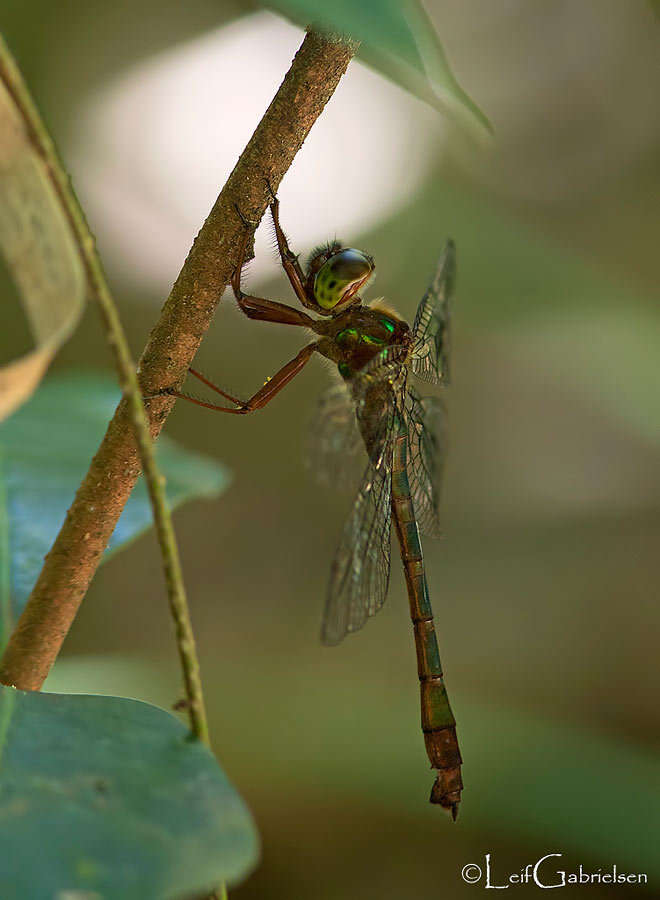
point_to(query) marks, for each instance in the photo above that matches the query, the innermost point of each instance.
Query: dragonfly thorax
(359, 334)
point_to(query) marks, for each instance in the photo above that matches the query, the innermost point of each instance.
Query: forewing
(334, 450)
(430, 355)
(427, 440)
(361, 567)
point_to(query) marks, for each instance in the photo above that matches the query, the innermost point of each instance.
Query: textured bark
(71, 563)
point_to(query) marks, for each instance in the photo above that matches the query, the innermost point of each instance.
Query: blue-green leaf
(45, 449)
(397, 38)
(111, 797)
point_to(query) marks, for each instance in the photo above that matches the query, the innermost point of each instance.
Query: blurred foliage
(36, 242)
(397, 35)
(119, 800)
(398, 39)
(46, 447)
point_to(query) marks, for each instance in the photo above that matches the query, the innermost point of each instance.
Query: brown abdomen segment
(438, 723)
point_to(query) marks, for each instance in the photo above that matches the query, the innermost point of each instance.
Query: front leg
(259, 307)
(289, 259)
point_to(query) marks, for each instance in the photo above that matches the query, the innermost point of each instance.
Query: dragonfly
(376, 407)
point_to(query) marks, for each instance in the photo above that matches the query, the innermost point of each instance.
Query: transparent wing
(430, 355)
(334, 449)
(426, 420)
(361, 567)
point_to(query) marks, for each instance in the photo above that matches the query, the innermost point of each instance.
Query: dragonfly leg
(214, 387)
(263, 396)
(289, 258)
(259, 307)
(280, 380)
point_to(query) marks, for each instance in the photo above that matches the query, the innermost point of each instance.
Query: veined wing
(361, 568)
(430, 355)
(334, 449)
(427, 440)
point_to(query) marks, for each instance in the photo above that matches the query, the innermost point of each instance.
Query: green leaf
(36, 239)
(398, 39)
(45, 449)
(111, 797)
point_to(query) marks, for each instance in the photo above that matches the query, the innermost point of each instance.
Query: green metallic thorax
(357, 335)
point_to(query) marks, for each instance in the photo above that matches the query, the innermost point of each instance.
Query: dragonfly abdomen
(438, 723)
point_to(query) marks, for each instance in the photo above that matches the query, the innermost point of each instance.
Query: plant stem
(186, 316)
(125, 366)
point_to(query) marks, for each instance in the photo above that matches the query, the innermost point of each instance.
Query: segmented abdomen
(438, 723)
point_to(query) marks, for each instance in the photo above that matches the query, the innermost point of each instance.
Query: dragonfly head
(336, 274)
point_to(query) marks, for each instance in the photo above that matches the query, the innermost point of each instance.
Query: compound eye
(342, 274)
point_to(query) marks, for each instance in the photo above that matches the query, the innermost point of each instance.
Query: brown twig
(76, 553)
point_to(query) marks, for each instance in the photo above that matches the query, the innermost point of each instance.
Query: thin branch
(186, 316)
(116, 338)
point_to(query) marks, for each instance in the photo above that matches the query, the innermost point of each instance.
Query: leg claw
(273, 195)
(247, 223)
(163, 392)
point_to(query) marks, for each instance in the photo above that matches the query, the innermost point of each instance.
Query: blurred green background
(545, 585)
